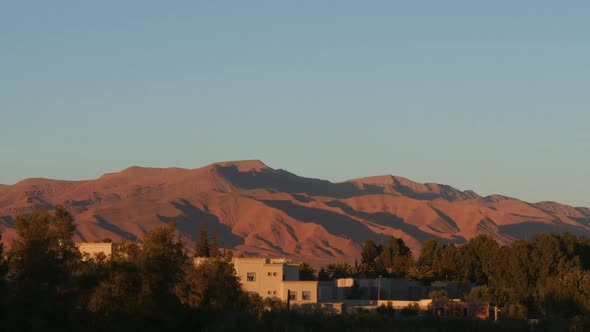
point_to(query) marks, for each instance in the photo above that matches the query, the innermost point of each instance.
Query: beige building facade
(299, 292)
(92, 249)
(276, 279)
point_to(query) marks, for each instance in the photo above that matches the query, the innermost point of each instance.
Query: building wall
(256, 275)
(94, 248)
(298, 289)
(291, 272)
(385, 289)
(271, 278)
(424, 304)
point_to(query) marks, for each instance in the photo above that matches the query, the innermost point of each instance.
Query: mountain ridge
(255, 209)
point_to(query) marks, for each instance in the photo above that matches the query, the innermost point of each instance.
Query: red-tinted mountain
(255, 209)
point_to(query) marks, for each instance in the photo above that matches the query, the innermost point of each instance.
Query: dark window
(306, 295)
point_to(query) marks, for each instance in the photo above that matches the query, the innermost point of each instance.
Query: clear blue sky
(492, 96)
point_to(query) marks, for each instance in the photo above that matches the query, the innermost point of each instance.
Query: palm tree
(306, 272)
(421, 272)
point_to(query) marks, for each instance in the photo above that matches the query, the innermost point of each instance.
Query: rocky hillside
(255, 209)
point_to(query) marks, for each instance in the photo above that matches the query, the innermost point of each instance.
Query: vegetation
(438, 295)
(202, 248)
(46, 284)
(549, 274)
(306, 272)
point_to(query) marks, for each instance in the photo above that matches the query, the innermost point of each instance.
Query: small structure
(93, 249)
(387, 289)
(276, 279)
(397, 293)
(459, 309)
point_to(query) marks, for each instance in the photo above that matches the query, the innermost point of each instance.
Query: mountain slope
(255, 209)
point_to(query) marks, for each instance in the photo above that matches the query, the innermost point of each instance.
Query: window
(293, 296)
(306, 296)
(274, 292)
(274, 274)
(251, 276)
(269, 274)
(269, 292)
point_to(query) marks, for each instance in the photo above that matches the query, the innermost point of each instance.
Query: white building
(274, 278)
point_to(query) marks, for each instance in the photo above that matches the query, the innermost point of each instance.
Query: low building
(93, 249)
(370, 289)
(386, 289)
(462, 310)
(276, 279)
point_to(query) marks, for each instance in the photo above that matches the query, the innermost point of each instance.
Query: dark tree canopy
(212, 285)
(214, 247)
(396, 257)
(3, 284)
(306, 272)
(44, 263)
(202, 248)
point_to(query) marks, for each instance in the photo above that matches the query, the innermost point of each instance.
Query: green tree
(449, 264)
(438, 295)
(3, 266)
(370, 265)
(118, 288)
(512, 274)
(396, 257)
(161, 262)
(480, 294)
(429, 254)
(336, 271)
(202, 245)
(4, 297)
(548, 256)
(567, 294)
(212, 285)
(141, 281)
(477, 257)
(306, 272)
(214, 247)
(44, 266)
(421, 273)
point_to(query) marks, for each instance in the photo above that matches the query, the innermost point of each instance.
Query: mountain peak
(244, 165)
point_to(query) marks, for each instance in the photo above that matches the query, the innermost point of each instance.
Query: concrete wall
(398, 304)
(291, 272)
(272, 277)
(298, 288)
(386, 289)
(94, 248)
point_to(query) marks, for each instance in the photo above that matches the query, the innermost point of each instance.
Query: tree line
(548, 274)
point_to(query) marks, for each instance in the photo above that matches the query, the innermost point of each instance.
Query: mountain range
(257, 210)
